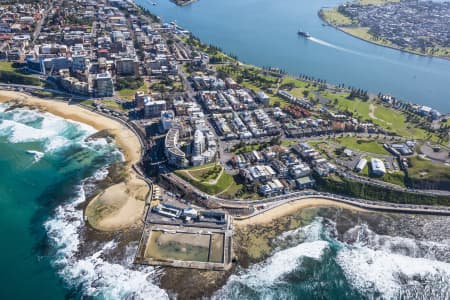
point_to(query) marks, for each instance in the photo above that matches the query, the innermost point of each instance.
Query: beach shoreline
(121, 214)
(291, 208)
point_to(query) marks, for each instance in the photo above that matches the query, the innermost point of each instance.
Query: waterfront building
(103, 85)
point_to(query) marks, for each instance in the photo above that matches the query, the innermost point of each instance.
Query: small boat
(153, 3)
(303, 33)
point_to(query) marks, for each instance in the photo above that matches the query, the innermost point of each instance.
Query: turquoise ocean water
(47, 167)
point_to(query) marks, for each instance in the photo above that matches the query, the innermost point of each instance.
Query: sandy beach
(120, 214)
(290, 209)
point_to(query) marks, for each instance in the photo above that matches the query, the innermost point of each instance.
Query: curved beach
(111, 211)
(291, 208)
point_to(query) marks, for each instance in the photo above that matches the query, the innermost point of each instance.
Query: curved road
(271, 202)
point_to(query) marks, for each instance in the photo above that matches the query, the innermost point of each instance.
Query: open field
(299, 89)
(340, 101)
(334, 17)
(112, 104)
(369, 146)
(421, 168)
(7, 66)
(220, 184)
(388, 118)
(10, 74)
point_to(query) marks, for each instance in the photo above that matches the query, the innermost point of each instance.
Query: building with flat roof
(127, 66)
(378, 167)
(167, 119)
(153, 108)
(103, 85)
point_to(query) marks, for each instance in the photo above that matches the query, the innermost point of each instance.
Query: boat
(304, 34)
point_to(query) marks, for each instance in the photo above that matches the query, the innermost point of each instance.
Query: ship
(303, 33)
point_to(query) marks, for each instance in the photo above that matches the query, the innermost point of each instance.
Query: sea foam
(262, 276)
(94, 273)
(395, 266)
(27, 125)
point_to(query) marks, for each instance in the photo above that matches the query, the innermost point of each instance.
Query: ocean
(48, 168)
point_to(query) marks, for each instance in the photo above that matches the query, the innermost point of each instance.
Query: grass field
(369, 146)
(10, 74)
(334, 17)
(112, 104)
(395, 121)
(388, 118)
(7, 66)
(299, 87)
(424, 169)
(340, 101)
(224, 183)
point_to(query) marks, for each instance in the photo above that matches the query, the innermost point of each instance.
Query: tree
(305, 93)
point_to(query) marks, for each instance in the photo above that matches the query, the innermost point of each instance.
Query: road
(271, 202)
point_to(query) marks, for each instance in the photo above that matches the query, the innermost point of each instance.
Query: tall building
(167, 119)
(79, 62)
(103, 85)
(127, 67)
(198, 144)
(153, 108)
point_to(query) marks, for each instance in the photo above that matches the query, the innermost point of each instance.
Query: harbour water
(264, 33)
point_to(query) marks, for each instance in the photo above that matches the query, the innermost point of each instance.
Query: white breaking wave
(268, 273)
(373, 271)
(308, 233)
(394, 266)
(36, 154)
(283, 262)
(27, 125)
(93, 273)
(51, 129)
